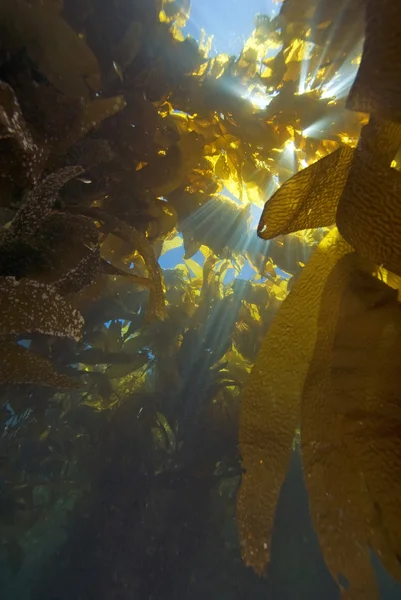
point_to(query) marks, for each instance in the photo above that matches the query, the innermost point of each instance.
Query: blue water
(230, 21)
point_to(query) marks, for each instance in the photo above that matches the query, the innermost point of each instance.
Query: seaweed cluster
(121, 381)
(337, 378)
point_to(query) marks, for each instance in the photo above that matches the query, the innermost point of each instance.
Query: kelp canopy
(122, 141)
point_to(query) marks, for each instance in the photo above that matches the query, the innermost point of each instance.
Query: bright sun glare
(229, 25)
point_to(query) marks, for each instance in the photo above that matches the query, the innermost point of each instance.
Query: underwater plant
(122, 388)
(329, 362)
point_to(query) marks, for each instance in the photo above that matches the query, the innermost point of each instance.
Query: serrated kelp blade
(270, 407)
(28, 306)
(309, 199)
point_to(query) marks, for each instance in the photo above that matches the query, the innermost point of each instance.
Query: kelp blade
(368, 214)
(270, 408)
(350, 427)
(309, 199)
(377, 86)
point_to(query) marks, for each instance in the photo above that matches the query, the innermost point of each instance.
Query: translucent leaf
(195, 268)
(351, 422)
(270, 407)
(156, 306)
(382, 56)
(17, 365)
(309, 199)
(171, 243)
(221, 168)
(28, 306)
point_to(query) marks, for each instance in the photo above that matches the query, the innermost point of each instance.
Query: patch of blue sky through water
(231, 22)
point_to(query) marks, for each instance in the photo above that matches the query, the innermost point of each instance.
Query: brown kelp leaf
(28, 306)
(309, 199)
(351, 423)
(377, 86)
(91, 115)
(13, 126)
(39, 203)
(95, 112)
(108, 269)
(17, 365)
(74, 250)
(369, 211)
(60, 53)
(71, 245)
(82, 275)
(270, 405)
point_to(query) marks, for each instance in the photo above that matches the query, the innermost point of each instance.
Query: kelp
(309, 199)
(271, 403)
(38, 204)
(28, 306)
(348, 413)
(350, 423)
(20, 366)
(45, 34)
(155, 135)
(29, 156)
(371, 196)
(380, 56)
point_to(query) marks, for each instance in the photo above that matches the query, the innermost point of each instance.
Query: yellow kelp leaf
(369, 211)
(170, 243)
(351, 424)
(221, 169)
(28, 306)
(17, 365)
(382, 56)
(271, 402)
(156, 306)
(195, 268)
(309, 199)
(60, 53)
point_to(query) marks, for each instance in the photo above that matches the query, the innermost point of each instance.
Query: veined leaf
(309, 199)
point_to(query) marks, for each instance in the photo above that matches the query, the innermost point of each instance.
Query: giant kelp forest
(141, 454)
